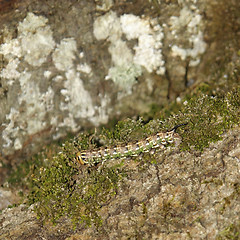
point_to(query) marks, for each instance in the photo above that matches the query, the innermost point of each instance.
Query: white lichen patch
(57, 79)
(31, 23)
(11, 48)
(124, 75)
(189, 21)
(34, 43)
(78, 102)
(133, 26)
(10, 71)
(17, 144)
(34, 107)
(127, 62)
(148, 51)
(77, 99)
(36, 39)
(23, 80)
(121, 54)
(107, 26)
(37, 104)
(84, 68)
(148, 56)
(11, 130)
(47, 74)
(64, 54)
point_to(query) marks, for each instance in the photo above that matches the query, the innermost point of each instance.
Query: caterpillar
(95, 156)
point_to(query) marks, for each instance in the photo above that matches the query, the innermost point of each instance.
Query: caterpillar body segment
(95, 156)
(79, 158)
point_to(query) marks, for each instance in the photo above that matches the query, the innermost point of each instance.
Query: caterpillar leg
(79, 158)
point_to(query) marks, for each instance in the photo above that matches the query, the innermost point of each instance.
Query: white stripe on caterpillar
(93, 157)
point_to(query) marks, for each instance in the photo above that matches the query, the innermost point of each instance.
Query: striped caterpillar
(95, 156)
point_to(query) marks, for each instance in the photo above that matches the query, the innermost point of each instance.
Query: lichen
(32, 101)
(36, 39)
(124, 75)
(64, 54)
(189, 21)
(148, 52)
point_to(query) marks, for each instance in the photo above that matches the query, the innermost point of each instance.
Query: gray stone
(184, 195)
(66, 65)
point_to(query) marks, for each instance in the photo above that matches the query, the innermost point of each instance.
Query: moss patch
(208, 118)
(230, 232)
(62, 188)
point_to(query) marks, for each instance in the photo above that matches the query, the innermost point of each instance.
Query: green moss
(61, 188)
(208, 117)
(230, 232)
(144, 209)
(124, 131)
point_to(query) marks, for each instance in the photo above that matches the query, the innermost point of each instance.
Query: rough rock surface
(68, 65)
(184, 196)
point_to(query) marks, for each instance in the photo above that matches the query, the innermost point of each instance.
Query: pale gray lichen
(77, 99)
(84, 68)
(11, 48)
(10, 72)
(148, 53)
(36, 39)
(189, 21)
(34, 45)
(64, 54)
(34, 108)
(11, 131)
(124, 75)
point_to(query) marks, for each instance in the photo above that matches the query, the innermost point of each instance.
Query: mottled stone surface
(68, 65)
(182, 196)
